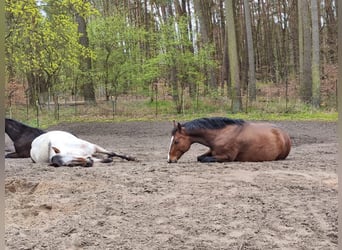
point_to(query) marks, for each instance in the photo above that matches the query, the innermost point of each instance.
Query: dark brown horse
(22, 137)
(230, 140)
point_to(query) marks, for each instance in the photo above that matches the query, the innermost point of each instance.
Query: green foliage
(118, 55)
(133, 49)
(177, 54)
(43, 38)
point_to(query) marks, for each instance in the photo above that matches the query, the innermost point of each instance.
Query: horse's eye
(176, 142)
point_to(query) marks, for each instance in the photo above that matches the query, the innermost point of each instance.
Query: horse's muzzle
(171, 161)
(57, 161)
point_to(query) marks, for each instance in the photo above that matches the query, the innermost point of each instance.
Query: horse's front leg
(214, 159)
(202, 158)
(84, 162)
(211, 156)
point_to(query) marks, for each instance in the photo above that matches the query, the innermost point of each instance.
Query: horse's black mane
(210, 123)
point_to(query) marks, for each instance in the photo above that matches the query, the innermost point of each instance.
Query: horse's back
(263, 142)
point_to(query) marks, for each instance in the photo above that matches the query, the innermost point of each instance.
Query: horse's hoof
(130, 158)
(207, 159)
(107, 160)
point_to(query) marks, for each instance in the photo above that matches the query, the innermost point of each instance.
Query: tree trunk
(316, 82)
(250, 49)
(331, 24)
(85, 63)
(37, 85)
(202, 8)
(233, 58)
(304, 51)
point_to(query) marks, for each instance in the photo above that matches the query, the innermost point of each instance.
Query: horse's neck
(202, 137)
(208, 137)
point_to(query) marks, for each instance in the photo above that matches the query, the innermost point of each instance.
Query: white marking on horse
(168, 156)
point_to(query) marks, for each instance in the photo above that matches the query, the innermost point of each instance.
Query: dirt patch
(290, 204)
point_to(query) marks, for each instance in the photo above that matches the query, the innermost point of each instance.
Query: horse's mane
(210, 123)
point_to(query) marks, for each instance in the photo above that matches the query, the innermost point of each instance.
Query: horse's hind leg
(12, 155)
(21, 153)
(101, 150)
(125, 157)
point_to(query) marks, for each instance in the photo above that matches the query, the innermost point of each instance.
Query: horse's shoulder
(48, 136)
(39, 139)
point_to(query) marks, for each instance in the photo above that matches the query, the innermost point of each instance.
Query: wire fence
(157, 106)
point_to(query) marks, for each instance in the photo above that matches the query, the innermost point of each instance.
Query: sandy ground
(290, 204)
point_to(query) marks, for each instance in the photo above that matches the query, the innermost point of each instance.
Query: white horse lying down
(61, 148)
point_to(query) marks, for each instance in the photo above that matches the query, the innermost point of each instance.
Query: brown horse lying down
(230, 140)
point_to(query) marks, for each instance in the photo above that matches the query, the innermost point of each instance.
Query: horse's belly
(261, 156)
(76, 148)
(257, 153)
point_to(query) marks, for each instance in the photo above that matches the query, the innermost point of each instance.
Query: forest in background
(183, 54)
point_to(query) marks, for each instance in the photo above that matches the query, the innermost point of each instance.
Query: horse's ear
(57, 151)
(179, 127)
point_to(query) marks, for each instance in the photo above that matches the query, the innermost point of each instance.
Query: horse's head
(57, 159)
(180, 143)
